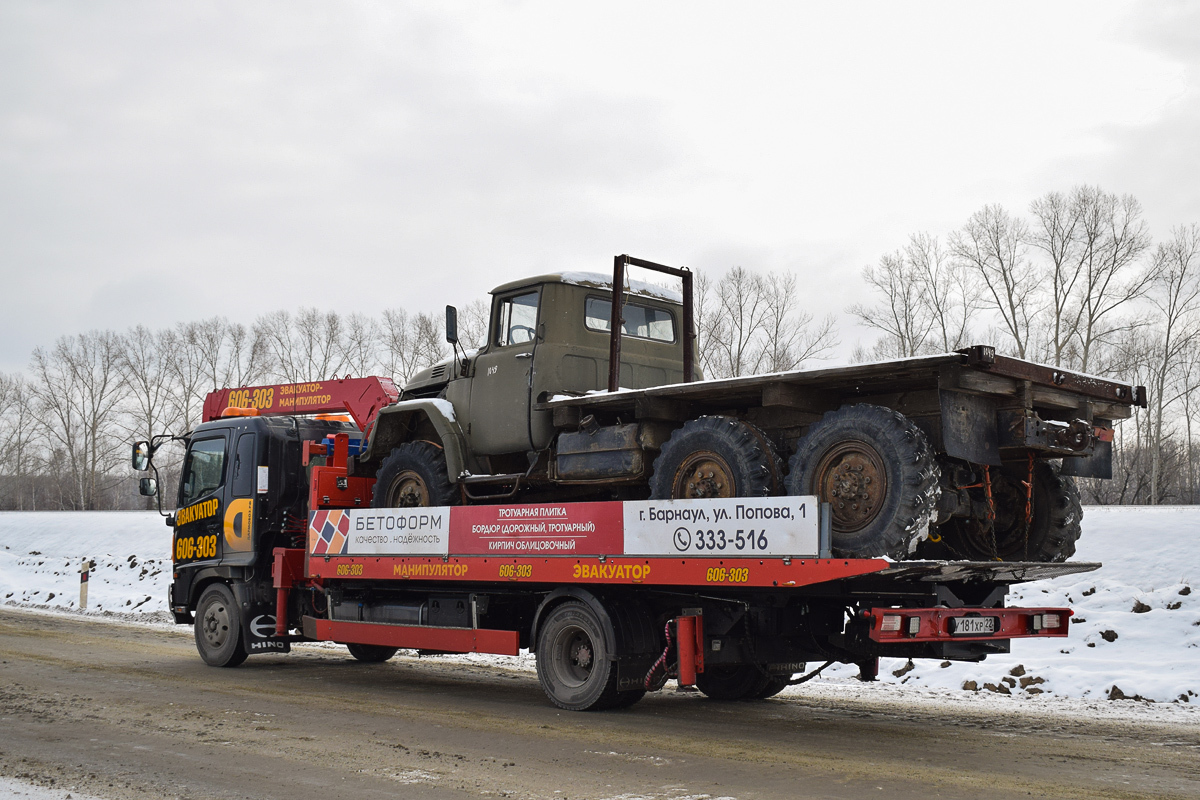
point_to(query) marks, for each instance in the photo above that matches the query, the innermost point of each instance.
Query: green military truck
(966, 455)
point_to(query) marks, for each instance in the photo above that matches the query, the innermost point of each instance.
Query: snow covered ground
(1136, 633)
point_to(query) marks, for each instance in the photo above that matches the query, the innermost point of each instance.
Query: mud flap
(969, 427)
(258, 630)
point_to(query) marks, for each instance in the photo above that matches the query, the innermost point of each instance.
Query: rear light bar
(965, 624)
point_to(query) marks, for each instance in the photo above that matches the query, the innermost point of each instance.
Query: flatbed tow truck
(354, 512)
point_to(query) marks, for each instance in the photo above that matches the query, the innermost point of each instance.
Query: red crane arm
(361, 398)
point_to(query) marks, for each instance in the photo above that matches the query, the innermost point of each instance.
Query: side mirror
(451, 324)
(141, 456)
(147, 487)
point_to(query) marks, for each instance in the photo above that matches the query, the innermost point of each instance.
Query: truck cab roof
(595, 280)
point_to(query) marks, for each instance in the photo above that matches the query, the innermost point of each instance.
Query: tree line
(1075, 281)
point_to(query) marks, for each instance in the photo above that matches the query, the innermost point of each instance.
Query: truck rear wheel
(734, 682)
(716, 457)
(876, 469)
(371, 653)
(413, 475)
(574, 666)
(219, 628)
(1050, 536)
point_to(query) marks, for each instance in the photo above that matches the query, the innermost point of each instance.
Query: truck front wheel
(219, 628)
(573, 663)
(877, 471)
(414, 474)
(716, 457)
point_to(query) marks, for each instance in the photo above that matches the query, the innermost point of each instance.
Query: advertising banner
(563, 529)
(721, 528)
(743, 526)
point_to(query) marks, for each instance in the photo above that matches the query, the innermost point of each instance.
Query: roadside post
(84, 569)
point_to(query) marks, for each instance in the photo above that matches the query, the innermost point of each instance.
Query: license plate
(973, 626)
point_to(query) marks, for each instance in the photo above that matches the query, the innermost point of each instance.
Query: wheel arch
(410, 420)
(628, 630)
(562, 595)
(202, 580)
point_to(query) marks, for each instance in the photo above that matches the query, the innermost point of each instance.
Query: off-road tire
(884, 473)
(218, 628)
(574, 667)
(716, 456)
(413, 475)
(371, 653)
(1053, 532)
(733, 682)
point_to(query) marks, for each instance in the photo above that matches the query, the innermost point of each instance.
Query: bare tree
(707, 322)
(146, 358)
(473, 324)
(993, 245)
(1093, 240)
(903, 316)
(20, 444)
(738, 318)
(307, 347)
(189, 382)
(928, 301)
(149, 362)
(1116, 238)
(79, 388)
(229, 353)
(411, 343)
(947, 291)
(1187, 387)
(360, 345)
(430, 339)
(790, 337)
(1058, 232)
(1176, 295)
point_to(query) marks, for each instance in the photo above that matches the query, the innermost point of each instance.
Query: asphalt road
(127, 711)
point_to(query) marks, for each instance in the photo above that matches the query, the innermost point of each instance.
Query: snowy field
(1135, 637)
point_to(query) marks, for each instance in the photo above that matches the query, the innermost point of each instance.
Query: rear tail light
(1046, 621)
(890, 623)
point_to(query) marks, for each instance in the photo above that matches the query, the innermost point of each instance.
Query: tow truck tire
(218, 628)
(775, 685)
(1053, 531)
(574, 667)
(414, 475)
(734, 682)
(716, 457)
(371, 653)
(877, 470)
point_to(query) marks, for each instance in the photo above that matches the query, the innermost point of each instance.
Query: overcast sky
(162, 162)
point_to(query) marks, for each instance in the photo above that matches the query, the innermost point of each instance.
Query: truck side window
(644, 322)
(204, 470)
(517, 319)
(244, 472)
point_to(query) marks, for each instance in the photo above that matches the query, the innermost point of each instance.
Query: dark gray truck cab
(243, 492)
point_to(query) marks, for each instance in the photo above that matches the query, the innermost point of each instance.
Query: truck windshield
(641, 321)
(203, 471)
